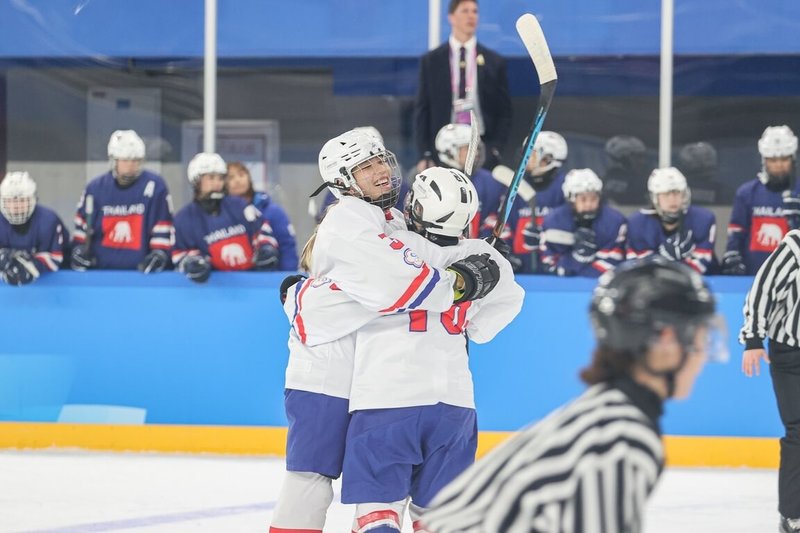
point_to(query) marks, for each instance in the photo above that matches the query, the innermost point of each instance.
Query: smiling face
(373, 177)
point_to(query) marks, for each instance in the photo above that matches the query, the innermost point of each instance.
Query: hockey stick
(532, 37)
(474, 141)
(88, 208)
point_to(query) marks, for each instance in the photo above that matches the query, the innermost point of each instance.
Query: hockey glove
(791, 210)
(531, 236)
(480, 275)
(733, 264)
(677, 247)
(21, 270)
(585, 247)
(288, 282)
(154, 262)
(196, 268)
(6, 255)
(266, 258)
(81, 258)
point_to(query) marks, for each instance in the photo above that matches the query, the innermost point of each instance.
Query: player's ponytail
(305, 255)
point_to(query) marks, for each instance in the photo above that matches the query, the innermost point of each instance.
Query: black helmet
(698, 159)
(623, 148)
(636, 300)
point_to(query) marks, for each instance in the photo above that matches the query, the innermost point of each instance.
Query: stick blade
(532, 37)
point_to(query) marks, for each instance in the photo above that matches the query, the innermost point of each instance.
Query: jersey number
(454, 319)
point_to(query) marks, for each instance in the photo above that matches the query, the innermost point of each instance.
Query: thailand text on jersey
(126, 222)
(228, 238)
(646, 234)
(757, 223)
(558, 238)
(588, 466)
(43, 235)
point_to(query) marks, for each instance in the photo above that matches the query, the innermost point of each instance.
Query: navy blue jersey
(757, 223)
(127, 223)
(282, 229)
(558, 238)
(646, 234)
(229, 238)
(521, 213)
(44, 236)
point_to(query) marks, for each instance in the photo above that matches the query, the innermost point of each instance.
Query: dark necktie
(462, 73)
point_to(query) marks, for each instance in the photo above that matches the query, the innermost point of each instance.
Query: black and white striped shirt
(772, 307)
(587, 467)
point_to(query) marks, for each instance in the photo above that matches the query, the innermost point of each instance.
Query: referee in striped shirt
(591, 465)
(772, 309)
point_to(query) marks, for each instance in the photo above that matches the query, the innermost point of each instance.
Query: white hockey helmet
(664, 180)
(581, 180)
(205, 163)
(371, 130)
(777, 141)
(552, 145)
(125, 144)
(17, 197)
(442, 201)
(341, 156)
(449, 141)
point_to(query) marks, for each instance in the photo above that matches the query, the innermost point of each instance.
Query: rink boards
(106, 360)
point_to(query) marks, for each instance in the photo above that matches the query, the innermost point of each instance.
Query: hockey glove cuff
(154, 262)
(196, 268)
(81, 258)
(288, 282)
(266, 258)
(480, 275)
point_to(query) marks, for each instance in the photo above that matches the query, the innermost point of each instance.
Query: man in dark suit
(458, 77)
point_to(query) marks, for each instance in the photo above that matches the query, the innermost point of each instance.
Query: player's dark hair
(451, 8)
(607, 364)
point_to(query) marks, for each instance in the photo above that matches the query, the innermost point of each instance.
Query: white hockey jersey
(414, 358)
(354, 249)
(353, 244)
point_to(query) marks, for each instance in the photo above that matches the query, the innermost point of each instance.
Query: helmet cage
(17, 197)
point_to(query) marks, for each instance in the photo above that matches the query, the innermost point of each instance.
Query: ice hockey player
(673, 227)
(584, 237)
(413, 426)
(452, 145)
(32, 237)
(765, 208)
(124, 218)
(217, 230)
(366, 179)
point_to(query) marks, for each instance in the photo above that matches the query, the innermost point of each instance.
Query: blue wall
(216, 354)
(393, 28)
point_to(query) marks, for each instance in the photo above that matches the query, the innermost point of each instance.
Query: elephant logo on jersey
(233, 255)
(412, 258)
(123, 232)
(766, 233)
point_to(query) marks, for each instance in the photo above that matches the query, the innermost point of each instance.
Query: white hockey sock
(379, 515)
(303, 503)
